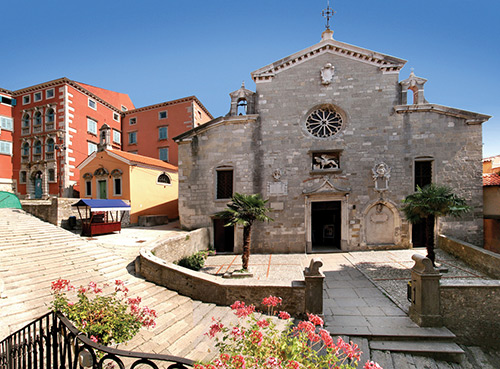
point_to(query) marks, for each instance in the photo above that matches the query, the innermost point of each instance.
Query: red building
(6, 137)
(49, 128)
(55, 128)
(149, 130)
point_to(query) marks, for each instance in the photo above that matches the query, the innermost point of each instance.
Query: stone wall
(472, 311)
(486, 261)
(175, 248)
(57, 211)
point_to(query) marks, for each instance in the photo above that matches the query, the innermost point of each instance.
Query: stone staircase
(34, 253)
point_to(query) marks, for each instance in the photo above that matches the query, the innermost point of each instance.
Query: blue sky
(160, 50)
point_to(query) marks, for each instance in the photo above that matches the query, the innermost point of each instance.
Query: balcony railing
(25, 131)
(49, 156)
(37, 129)
(49, 126)
(53, 342)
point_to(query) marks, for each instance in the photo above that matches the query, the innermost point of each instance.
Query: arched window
(242, 107)
(163, 179)
(25, 151)
(50, 116)
(26, 120)
(38, 118)
(50, 145)
(38, 147)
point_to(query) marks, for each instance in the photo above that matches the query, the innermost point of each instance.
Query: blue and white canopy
(103, 204)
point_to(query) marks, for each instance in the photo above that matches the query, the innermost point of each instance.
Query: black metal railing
(52, 341)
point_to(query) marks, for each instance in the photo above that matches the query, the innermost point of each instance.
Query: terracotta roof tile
(144, 159)
(491, 179)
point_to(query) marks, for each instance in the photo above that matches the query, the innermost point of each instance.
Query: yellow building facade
(150, 185)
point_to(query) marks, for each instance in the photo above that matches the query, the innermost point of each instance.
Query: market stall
(98, 217)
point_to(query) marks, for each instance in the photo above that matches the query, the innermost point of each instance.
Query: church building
(335, 140)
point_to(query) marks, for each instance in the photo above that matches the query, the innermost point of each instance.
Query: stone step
(440, 350)
(395, 334)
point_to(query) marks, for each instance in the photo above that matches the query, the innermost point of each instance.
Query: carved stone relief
(327, 73)
(379, 225)
(381, 174)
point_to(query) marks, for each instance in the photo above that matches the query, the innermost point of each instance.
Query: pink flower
(326, 337)
(237, 332)
(256, 337)
(241, 310)
(272, 363)
(61, 284)
(284, 315)
(263, 323)
(292, 364)
(352, 351)
(272, 301)
(316, 320)
(93, 338)
(215, 328)
(371, 365)
(305, 326)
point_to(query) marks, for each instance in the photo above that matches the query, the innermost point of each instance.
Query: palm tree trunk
(246, 246)
(429, 239)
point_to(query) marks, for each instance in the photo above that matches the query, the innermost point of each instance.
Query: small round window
(324, 122)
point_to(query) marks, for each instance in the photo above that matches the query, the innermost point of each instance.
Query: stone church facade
(335, 141)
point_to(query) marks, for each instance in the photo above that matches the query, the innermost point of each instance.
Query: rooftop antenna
(328, 13)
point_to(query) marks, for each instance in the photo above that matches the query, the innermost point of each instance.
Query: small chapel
(335, 141)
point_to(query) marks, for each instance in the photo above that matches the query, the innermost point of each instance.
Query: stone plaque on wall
(277, 188)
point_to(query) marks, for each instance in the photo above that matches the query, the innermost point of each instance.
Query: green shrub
(193, 262)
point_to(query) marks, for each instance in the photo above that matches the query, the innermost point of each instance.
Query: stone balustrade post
(425, 297)
(314, 279)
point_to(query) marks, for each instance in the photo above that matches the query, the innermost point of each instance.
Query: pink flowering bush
(257, 342)
(106, 319)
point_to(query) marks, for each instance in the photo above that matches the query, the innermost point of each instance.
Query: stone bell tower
(104, 138)
(242, 101)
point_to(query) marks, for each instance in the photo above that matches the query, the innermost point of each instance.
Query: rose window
(324, 122)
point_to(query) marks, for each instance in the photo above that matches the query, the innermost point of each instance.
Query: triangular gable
(386, 63)
(86, 161)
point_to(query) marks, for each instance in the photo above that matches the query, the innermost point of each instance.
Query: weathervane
(328, 13)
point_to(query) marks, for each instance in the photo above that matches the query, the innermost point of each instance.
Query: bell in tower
(242, 101)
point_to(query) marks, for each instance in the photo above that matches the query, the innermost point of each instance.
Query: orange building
(151, 185)
(50, 127)
(149, 130)
(7, 104)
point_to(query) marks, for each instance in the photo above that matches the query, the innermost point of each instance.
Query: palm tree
(431, 202)
(244, 210)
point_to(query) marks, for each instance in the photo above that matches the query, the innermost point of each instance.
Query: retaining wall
(471, 310)
(155, 263)
(483, 260)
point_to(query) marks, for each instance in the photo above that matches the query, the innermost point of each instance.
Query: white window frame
(159, 133)
(160, 113)
(117, 134)
(116, 117)
(6, 123)
(114, 186)
(37, 96)
(92, 102)
(5, 147)
(132, 121)
(135, 136)
(26, 99)
(160, 151)
(50, 91)
(92, 126)
(124, 108)
(92, 147)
